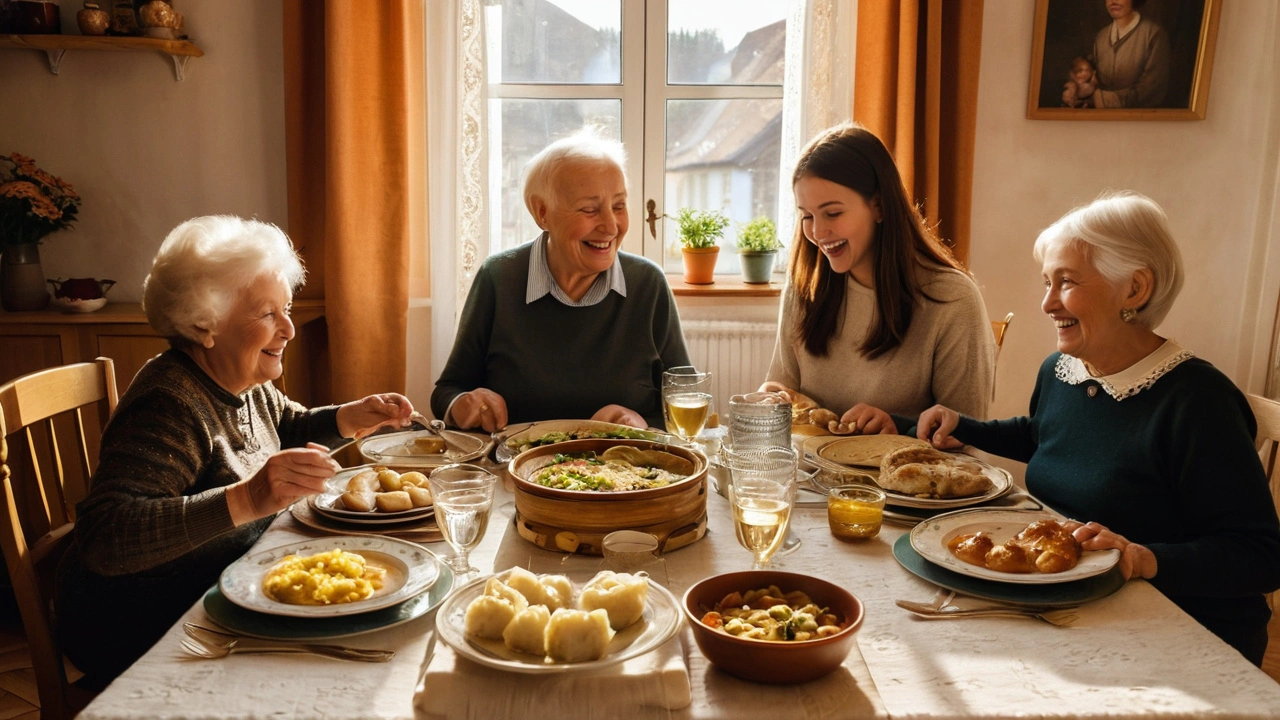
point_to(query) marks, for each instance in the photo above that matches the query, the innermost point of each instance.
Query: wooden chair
(999, 327)
(1267, 413)
(38, 503)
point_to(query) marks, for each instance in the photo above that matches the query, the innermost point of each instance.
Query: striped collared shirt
(541, 282)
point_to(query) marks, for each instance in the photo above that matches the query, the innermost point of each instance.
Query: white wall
(146, 152)
(1216, 178)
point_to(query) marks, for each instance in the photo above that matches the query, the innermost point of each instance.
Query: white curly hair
(203, 264)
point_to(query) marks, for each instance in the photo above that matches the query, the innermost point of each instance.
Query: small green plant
(701, 228)
(758, 236)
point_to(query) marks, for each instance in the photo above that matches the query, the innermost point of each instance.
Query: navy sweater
(1173, 468)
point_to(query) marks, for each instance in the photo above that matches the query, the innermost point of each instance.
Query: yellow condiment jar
(855, 512)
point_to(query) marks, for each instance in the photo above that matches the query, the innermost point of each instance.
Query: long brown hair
(854, 157)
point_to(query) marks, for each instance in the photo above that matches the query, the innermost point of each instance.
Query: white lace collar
(1133, 379)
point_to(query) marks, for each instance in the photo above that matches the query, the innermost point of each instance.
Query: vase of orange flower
(33, 204)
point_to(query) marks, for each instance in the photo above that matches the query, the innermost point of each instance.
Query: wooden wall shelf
(55, 46)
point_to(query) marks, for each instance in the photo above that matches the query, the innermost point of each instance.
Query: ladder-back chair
(1267, 413)
(56, 416)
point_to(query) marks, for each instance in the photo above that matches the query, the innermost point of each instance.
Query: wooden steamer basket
(577, 521)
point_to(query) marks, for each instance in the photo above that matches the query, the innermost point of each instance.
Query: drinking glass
(463, 495)
(686, 400)
(762, 491)
(759, 419)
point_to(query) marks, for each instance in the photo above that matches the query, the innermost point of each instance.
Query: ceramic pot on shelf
(757, 267)
(93, 20)
(22, 285)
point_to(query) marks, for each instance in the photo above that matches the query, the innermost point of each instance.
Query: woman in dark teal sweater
(1149, 447)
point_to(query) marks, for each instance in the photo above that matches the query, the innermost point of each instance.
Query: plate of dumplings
(526, 623)
(375, 495)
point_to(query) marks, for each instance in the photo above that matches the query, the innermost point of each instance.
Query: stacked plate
(924, 552)
(416, 581)
(862, 453)
(326, 512)
(417, 448)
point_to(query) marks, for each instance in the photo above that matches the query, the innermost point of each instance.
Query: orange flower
(33, 202)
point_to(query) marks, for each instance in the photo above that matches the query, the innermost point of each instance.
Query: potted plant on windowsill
(700, 230)
(757, 249)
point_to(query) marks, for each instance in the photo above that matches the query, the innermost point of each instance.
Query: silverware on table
(208, 643)
(943, 610)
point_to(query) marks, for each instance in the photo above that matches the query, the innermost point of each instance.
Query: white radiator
(736, 353)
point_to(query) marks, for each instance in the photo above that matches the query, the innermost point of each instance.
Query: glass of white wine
(762, 491)
(463, 496)
(686, 400)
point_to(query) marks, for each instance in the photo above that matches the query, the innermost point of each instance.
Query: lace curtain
(456, 110)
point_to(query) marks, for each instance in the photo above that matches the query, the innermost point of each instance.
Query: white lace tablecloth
(1133, 654)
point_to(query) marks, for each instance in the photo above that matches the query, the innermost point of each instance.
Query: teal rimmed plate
(278, 627)
(1066, 594)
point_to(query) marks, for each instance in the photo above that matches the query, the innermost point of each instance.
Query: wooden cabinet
(31, 341)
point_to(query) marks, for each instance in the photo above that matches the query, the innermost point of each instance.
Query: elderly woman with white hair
(1150, 447)
(566, 326)
(203, 450)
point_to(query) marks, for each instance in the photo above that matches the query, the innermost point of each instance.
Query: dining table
(1130, 654)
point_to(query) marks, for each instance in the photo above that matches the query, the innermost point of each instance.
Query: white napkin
(646, 686)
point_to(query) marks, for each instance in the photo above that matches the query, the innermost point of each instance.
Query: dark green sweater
(155, 532)
(552, 361)
(1173, 468)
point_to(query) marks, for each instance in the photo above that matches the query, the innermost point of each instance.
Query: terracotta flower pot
(757, 267)
(700, 265)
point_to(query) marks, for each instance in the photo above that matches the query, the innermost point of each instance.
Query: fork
(209, 643)
(941, 609)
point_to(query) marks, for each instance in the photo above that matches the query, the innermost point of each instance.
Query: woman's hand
(863, 419)
(363, 417)
(481, 407)
(1136, 561)
(783, 390)
(287, 476)
(936, 425)
(621, 416)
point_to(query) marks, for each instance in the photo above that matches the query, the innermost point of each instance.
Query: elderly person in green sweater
(203, 450)
(566, 326)
(1150, 447)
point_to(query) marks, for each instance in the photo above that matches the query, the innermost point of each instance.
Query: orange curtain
(356, 153)
(916, 86)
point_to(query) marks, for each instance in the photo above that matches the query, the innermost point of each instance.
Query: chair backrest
(44, 414)
(1267, 413)
(999, 327)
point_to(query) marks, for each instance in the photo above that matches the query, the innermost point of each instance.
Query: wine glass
(762, 491)
(686, 400)
(463, 496)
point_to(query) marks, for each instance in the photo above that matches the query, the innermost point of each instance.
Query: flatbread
(866, 450)
(928, 473)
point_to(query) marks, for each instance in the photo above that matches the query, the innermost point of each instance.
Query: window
(699, 106)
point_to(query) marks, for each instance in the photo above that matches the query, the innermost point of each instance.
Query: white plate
(326, 504)
(397, 448)
(1001, 480)
(410, 571)
(523, 432)
(660, 622)
(930, 537)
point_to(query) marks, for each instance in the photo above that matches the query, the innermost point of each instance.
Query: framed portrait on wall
(1122, 59)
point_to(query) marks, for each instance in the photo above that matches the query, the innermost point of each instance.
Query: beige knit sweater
(947, 357)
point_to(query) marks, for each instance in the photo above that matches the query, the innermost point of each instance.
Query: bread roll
(419, 496)
(389, 480)
(357, 501)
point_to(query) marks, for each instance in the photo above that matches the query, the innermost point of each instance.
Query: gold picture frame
(1073, 38)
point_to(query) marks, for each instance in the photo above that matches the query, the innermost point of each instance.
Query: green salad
(519, 444)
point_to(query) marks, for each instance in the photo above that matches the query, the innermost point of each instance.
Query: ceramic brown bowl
(768, 661)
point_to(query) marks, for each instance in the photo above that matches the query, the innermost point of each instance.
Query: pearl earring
(1128, 314)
